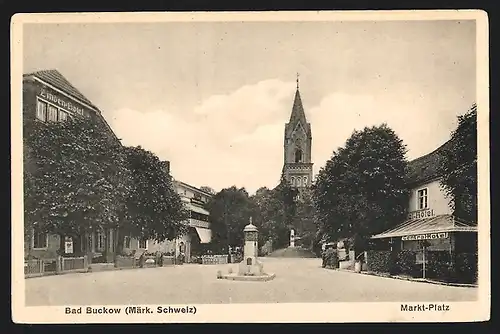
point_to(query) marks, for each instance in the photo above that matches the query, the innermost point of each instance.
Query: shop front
(438, 231)
(431, 246)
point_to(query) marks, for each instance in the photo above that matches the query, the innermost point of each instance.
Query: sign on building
(421, 214)
(68, 245)
(427, 236)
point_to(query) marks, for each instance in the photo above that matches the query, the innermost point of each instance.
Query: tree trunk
(118, 244)
(61, 244)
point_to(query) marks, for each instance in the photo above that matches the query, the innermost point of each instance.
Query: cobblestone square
(297, 281)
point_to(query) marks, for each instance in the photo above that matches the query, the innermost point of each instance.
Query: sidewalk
(408, 278)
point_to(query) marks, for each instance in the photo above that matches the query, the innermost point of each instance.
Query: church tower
(297, 167)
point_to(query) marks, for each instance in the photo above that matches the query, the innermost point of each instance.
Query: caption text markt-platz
(131, 310)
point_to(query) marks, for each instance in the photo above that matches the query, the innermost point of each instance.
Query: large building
(430, 217)
(298, 166)
(199, 231)
(49, 97)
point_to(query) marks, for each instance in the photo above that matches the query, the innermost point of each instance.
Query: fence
(137, 262)
(439, 265)
(59, 265)
(214, 259)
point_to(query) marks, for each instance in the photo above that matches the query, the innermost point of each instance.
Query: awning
(436, 224)
(198, 210)
(205, 234)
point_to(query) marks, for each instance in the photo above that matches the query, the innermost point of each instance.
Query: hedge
(466, 267)
(405, 263)
(459, 268)
(331, 259)
(379, 261)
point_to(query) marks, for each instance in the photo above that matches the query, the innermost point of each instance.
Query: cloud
(233, 139)
(237, 139)
(339, 114)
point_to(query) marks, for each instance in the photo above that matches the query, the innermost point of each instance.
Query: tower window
(298, 155)
(293, 181)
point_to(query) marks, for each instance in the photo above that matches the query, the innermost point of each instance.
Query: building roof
(184, 184)
(56, 79)
(298, 115)
(436, 224)
(425, 168)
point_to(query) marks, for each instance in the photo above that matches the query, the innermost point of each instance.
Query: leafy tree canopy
(459, 167)
(230, 211)
(208, 190)
(154, 209)
(78, 179)
(74, 175)
(362, 189)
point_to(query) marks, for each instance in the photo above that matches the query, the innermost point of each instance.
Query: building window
(126, 242)
(63, 116)
(41, 110)
(40, 239)
(305, 181)
(293, 181)
(198, 216)
(100, 241)
(52, 113)
(143, 243)
(298, 155)
(422, 199)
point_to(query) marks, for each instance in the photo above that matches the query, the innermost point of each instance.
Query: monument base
(250, 271)
(246, 278)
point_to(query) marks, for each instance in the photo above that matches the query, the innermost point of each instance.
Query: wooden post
(59, 266)
(423, 259)
(42, 266)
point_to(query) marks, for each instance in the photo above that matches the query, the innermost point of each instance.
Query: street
(297, 280)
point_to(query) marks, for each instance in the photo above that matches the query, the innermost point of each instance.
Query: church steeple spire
(298, 114)
(297, 167)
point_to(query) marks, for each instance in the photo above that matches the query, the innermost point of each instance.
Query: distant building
(199, 231)
(430, 217)
(298, 166)
(49, 97)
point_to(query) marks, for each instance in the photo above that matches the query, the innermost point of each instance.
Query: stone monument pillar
(292, 238)
(250, 265)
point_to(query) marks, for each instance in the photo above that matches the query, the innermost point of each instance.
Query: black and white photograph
(250, 167)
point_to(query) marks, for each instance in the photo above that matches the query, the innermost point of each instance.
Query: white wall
(436, 197)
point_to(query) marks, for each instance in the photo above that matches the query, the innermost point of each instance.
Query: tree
(304, 222)
(284, 210)
(458, 167)
(75, 178)
(207, 189)
(230, 211)
(275, 213)
(362, 189)
(154, 210)
(261, 213)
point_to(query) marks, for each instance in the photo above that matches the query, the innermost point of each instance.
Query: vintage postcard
(250, 167)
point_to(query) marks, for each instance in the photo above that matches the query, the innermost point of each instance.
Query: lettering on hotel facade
(51, 96)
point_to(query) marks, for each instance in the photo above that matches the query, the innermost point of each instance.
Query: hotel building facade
(199, 232)
(430, 217)
(49, 97)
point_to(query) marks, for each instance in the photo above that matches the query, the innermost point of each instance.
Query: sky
(213, 97)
